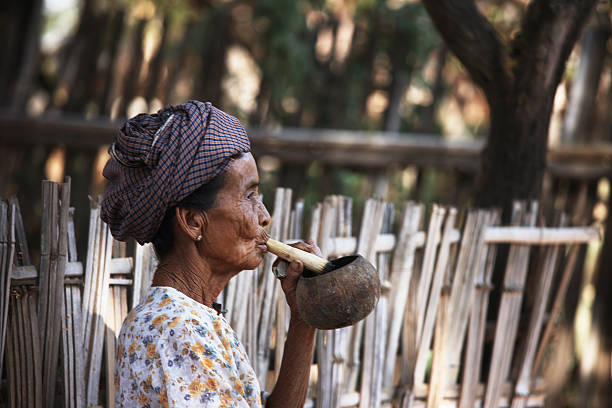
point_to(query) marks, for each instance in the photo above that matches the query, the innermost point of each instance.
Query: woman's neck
(192, 276)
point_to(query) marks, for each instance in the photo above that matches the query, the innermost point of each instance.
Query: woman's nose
(264, 215)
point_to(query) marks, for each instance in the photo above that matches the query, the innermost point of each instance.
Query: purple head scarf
(164, 157)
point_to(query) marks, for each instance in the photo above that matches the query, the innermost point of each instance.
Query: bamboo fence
(421, 347)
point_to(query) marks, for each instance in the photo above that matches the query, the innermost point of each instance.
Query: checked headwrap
(164, 157)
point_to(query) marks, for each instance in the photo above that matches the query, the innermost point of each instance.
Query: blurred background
(355, 97)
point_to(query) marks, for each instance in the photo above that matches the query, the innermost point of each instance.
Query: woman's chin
(253, 261)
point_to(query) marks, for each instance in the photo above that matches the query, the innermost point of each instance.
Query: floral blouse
(174, 351)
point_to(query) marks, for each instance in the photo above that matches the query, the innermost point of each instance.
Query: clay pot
(341, 297)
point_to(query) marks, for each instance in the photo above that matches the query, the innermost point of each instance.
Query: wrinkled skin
(231, 237)
(233, 233)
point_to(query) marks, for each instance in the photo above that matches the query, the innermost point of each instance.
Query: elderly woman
(185, 180)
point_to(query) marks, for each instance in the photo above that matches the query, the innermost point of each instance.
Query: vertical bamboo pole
(7, 253)
(11, 360)
(267, 296)
(438, 366)
(427, 268)
(477, 324)
(509, 309)
(470, 259)
(102, 297)
(370, 228)
(401, 274)
(324, 340)
(36, 351)
(523, 384)
(282, 309)
(430, 312)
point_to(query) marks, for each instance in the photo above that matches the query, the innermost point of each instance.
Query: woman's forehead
(242, 172)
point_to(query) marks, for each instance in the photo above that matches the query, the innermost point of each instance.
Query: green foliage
(286, 56)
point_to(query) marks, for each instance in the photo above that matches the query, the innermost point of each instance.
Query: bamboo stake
(315, 222)
(471, 256)
(427, 267)
(91, 271)
(137, 277)
(523, 384)
(282, 309)
(370, 227)
(57, 290)
(110, 345)
(29, 357)
(424, 340)
(509, 310)
(340, 337)
(50, 314)
(557, 305)
(401, 274)
(8, 220)
(380, 318)
(11, 357)
(253, 311)
(72, 306)
(4, 276)
(268, 296)
(324, 340)
(23, 351)
(477, 324)
(439, 370)
(45, 255)
(22, 251)
(79, 356)
(98, 326)
(36, 350)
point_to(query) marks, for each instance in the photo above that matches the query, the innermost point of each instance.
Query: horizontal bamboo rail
(358, 149)
(512, 235)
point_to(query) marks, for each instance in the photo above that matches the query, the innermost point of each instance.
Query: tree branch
(470, 36)
(549, 31)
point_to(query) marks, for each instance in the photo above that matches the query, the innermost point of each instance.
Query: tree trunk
(108, 72)
(83, 87)
(71, 59)
(176, 64)
(29, 60)
(155, 67)
(578, 123)
(130, 81)
(13, 17)
(519, 80)
(218, 37)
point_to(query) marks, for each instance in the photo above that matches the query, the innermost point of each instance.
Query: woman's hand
(294, 270)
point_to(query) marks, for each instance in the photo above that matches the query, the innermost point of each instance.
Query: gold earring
(199, 238)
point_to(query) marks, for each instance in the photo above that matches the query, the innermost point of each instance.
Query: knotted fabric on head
(164, 157)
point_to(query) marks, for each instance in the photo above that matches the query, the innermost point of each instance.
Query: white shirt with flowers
(174, 351)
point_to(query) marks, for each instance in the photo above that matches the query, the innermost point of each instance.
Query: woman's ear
(191, 222)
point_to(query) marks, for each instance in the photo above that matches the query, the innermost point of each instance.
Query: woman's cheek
(249, 225)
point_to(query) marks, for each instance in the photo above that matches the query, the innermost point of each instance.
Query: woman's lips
(262, 247)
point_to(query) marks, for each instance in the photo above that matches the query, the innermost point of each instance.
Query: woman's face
(233, 235)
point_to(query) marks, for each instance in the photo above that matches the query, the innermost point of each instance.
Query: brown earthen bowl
(341, 297)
